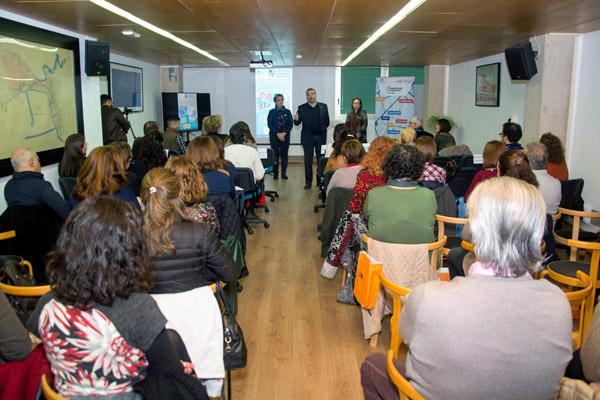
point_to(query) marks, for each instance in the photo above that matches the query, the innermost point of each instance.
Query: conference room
(257, 199)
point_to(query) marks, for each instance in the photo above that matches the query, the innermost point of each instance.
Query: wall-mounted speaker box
(97, 58)
(520, 60)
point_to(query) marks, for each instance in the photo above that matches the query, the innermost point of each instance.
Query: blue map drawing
(394, 104)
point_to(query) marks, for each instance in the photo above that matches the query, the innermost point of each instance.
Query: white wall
(478, 125)
(584, 138)
(90, 90)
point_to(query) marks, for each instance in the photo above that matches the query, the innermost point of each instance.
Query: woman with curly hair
(193, 192)
(346, 241)
(187, 258)
(103, 173)
(102, 332)
(401, 211)
(557, 167)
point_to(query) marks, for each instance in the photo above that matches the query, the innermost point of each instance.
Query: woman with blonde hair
(408, 135)
(187, 258)
(193, 192)
(103, 173)
(204, 152)
(346, 241)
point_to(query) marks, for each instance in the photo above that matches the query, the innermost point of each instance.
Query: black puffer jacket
(199, 259)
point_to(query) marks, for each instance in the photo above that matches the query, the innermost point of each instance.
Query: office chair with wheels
(244, 178)
(268, 164)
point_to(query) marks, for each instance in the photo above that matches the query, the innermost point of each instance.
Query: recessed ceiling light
(159, 31)
(299, 56)
(130, 33)
(395, 20)
(261, 52)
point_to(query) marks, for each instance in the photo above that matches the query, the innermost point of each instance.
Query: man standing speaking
(314, 118)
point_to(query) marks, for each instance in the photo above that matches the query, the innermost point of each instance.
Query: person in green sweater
(401, 211)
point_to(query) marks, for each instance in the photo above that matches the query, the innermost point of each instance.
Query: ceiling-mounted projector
(262, 63)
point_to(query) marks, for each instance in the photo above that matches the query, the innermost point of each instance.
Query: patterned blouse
(206, 213)
(432, 172)
(365, 181)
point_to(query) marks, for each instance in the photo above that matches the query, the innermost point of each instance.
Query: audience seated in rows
(14, 340)
(103, 173)
(193, 192)
(187, 258)
(497, 334)
(433, 175)
(416, 123)
(27, 187)
(100, 297)
(491, 153)
(204, 152)
(408, 135)
(345, 177)
(401, 211)
(333, 152)
(510, 135)
(443, 137)
(557, 166)
(549, 186)
(73, 156)
(241, 154)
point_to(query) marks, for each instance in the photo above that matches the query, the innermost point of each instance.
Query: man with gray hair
(417, 124)
(537, 153)
(28, 186)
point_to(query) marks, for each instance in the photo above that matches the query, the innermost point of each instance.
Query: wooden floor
(301, 343)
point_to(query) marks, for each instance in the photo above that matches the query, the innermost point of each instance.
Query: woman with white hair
(496, 334)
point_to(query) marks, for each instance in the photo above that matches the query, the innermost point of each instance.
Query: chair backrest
(460, 182)
(244, 178)
(577, 215)
(397, 293)
(48, 392)
(24, 291)
(577, 298)
(66, 184)
(405, 389)
(434, 248)
(571, 192)
(321, 164)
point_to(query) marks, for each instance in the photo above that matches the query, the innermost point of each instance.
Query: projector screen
(269, 82)
(39, 91)
(126, 87)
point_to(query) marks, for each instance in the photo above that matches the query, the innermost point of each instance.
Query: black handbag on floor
(14, 272)
(234, 345)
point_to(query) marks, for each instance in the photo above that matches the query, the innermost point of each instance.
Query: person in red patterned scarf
(433, 175)
(346, 240)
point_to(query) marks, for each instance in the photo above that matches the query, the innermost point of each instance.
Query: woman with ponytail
(514, 163)
(187, 258)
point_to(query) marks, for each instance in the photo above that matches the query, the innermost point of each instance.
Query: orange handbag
(366, 283)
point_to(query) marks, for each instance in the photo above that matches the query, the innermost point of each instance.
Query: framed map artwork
(40, 91)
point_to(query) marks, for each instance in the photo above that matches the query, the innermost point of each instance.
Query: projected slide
(268, 83)
(188, 111)
(37, 95)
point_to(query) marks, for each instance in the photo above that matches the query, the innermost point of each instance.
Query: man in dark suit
(314, 118)
(114, 124)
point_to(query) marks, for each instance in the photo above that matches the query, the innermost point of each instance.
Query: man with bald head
(28, 186)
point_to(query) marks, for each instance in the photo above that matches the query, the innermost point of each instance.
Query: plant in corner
(431, 121)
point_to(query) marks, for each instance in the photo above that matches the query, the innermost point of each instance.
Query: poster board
(394, 104)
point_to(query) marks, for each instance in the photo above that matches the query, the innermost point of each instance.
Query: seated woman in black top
(73, 156)
(204, 152)
(188, 257)
(102, 333)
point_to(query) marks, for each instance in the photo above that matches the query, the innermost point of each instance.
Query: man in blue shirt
(28, 186)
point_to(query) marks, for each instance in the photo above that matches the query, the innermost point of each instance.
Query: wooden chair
(579, 299)
(575, 233)
(7, 235)
(434, 248)
(48, 392)
(568, 269)
(24, 291)
(404, 387)
(453, 241)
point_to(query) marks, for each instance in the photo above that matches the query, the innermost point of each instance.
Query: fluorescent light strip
(395, 20)
(127, 15)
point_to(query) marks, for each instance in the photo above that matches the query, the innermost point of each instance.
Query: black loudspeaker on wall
(97, 56)
(520, 60)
